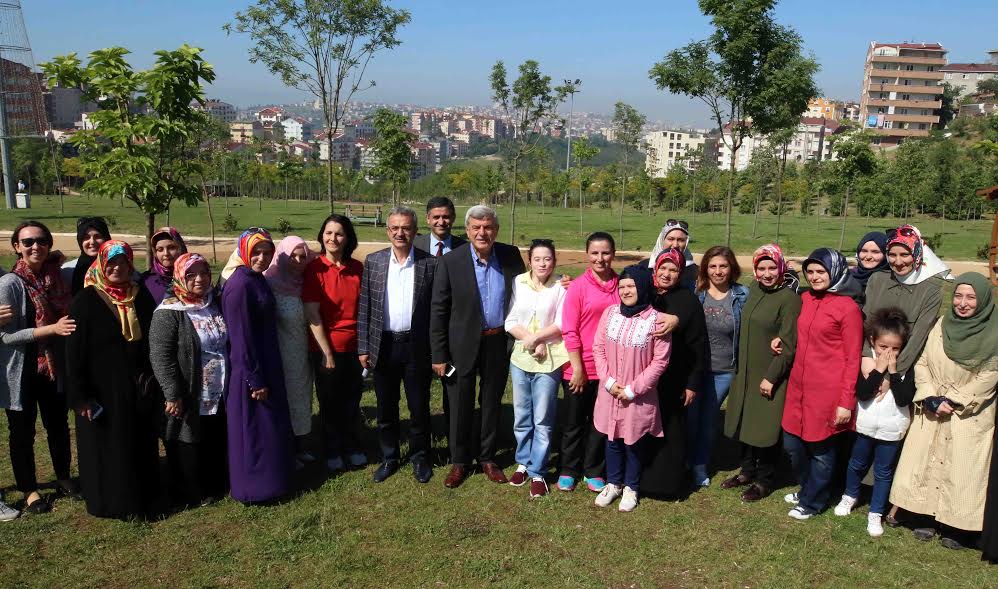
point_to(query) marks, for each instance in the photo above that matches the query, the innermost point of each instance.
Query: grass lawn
(349, 532)
(960, 239)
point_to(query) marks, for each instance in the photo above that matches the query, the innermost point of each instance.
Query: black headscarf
(83, 263)
(641, 275)
(862, 274)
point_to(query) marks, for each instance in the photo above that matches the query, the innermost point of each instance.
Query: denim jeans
(883, 453)
(702, 417)
(623, 463)
(535, 396)
(814, 465)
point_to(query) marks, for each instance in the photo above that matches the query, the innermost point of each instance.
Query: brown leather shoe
(736, 481)
(455, 477)
(494, 473)
(754, 493)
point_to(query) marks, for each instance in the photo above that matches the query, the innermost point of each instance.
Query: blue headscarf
(839, 276)
(861, 274)
(642, 277)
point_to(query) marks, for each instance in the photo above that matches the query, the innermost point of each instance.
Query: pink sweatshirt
(585, 302)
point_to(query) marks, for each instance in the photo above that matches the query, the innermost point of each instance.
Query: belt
(493, 331)
(397, 336)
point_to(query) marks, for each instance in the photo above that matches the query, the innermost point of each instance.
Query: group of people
(855, 370)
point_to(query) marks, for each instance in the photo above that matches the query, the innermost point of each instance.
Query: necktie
(440, 248)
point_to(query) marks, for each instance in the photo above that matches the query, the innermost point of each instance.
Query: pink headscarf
(282, 279)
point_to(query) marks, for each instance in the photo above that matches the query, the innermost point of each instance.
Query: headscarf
(50, 298)
(839, 276)
(668, 228)
(161, 234)
(642, 278)
(926, 263)
(244, 245)
(863, 274)
(667, 255)
(972, 342)
(179, 297)
(771, 251)
(83, 263)
(279, 275)
(119, 298)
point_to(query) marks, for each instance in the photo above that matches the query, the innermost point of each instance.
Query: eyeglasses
(905, 231)
(677, 223)
(41, 241)
(193, 275)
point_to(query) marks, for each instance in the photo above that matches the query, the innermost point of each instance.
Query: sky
(449, 47)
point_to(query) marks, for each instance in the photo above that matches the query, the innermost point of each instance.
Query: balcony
(905, 103)
(905, 89)
(899, 132)
(911, 60)
(912, 118)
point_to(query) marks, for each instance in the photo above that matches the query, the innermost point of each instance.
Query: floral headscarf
(180, 297)
(910, 238)
(120, 298)
(668, 255)
(771, 251)
(244, 246)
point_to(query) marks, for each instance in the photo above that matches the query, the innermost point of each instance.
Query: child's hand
(883, 361)
(892, 362)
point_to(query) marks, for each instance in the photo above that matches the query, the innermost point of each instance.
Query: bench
(360, 213)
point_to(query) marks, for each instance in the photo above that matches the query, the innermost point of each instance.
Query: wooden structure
(363, 213)
(991, 193)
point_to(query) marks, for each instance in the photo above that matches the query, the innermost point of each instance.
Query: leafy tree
(750, 68)
(627, 124)
(950, 104)
(207, 145)
(393, 146)
(528, 102)
(583, 153)
(856, 159)
(144, 124)
(322, 47)
(988, 86)
(780, 140)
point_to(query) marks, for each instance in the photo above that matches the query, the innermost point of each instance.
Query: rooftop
(970, 67)
(923, 46)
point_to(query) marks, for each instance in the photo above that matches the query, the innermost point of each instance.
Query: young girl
(629, 360)
(883, 414)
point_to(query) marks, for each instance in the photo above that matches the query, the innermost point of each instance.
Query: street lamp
(571, 86)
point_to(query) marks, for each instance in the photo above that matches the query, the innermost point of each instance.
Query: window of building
(964, 76)
(909, 68)
(931, 68)
(948, 76)
(921, 126)
(906, 97)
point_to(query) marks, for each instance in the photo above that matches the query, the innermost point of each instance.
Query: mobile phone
(96, 410)
(450, 370)
(364, 373)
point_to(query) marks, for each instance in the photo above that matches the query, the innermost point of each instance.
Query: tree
(207, 144)
(143, 126)
(393, 147)
(749, 69)
(950, 104)
(583, 154)
(322, 47)
(627, 124)
(855, 159)
(528, 103)
(780, 141)
(988, 86)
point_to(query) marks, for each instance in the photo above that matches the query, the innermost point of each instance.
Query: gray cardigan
(14, 337)
(175, 354)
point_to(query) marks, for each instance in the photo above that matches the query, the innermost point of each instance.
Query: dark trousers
(759, 464)
(582, 447)
(396, 365)
(489, 374)
(38, 395)
(199, 470)
(623, 463)
(814, 465)
(339, 391)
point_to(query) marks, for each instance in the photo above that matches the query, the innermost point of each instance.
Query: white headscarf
(660, 244)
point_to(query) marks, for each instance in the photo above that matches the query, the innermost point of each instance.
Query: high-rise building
(665, 149)
(902, 90)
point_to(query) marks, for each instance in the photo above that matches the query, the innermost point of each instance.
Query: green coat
(920, 303)
(750, 417)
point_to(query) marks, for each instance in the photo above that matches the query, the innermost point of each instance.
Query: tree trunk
(150, 228)
(582, 230)
(512, 210)
(329, 170)
(845, 213)
(779, 194)
(211, 227)
(755, 221)
(620, 217)
(727, 200)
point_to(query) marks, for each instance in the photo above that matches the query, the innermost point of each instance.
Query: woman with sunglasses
(676, 234)
(165, 245)
(112, 389)
(821, 393)
(187, 349)
(31, 347)
(943, 470)
(91, 233)
(261, 441)
(534, 322)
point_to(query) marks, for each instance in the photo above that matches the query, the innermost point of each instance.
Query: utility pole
(8, 176)
(571, 87)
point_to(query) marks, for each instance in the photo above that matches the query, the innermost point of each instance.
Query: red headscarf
(673, 256)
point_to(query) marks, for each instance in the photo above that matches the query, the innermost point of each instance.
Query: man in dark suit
(393, 322)
(472, 289)
(440, 217)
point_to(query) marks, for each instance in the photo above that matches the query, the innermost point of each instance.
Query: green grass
(348, 531)
(960, 239)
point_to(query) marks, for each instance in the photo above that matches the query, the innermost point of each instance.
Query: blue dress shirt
(491, 290)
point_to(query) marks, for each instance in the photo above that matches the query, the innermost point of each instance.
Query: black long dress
(118, 452)
(664, 472)
(989, 536)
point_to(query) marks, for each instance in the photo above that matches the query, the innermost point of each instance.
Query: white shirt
(399, 284)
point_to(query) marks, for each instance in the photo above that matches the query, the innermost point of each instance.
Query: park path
(224, 246)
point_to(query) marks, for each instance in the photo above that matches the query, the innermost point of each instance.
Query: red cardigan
(826, 366)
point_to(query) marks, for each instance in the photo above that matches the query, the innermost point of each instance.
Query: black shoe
(924, 534)
(421, 469)
(951, 543)
(38, 507)
(387, 469)
(67, 490)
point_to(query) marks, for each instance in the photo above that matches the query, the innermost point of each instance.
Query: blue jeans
(701, 417)
(814, 465)
(883, 453)
(623, 463)
(535, 396)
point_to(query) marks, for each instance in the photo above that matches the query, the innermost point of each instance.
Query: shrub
(229, 223)
(284, 226)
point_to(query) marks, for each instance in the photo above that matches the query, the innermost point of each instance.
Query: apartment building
(296, 129)
(902, 90)
(966, 76)
(245, 131)
(665, 149)
(222, 111)
(823, 107)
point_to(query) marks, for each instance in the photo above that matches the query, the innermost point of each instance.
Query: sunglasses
(30, 241)
(904, 231)
(677, 223)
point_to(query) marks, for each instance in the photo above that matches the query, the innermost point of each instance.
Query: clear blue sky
(450, 45)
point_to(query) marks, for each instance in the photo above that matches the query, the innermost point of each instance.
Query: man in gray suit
(393, 322)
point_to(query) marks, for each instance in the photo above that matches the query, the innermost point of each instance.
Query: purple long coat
(261, 443)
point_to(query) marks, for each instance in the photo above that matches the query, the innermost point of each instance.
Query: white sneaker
(874, 526)
(357, 459)
(845, 506)
(629, 500)
(791, 498)
(8, 513)
(608, 495)
(334, 464)
(800, 513)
